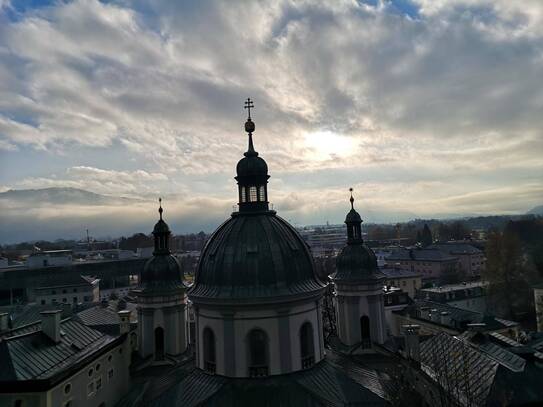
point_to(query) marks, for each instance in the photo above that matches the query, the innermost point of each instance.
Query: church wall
(231, 329)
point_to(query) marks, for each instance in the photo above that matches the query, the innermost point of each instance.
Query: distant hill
(60, 196)
(538, 210)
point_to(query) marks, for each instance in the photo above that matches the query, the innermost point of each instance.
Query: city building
(72, 290)
(432, 264)
(467, 295)
(59, 362)
(471, 259)
(538, 302)
(49, 258)
(409, 281)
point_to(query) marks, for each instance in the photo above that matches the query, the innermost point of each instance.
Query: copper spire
(160, 210)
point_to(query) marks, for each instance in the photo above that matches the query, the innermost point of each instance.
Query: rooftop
(456, 287)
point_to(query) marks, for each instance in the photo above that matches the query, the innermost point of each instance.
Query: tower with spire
(359, 288)
(162, 299)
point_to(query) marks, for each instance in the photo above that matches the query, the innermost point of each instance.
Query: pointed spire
(250, 128)
(352, 199)
(160, 210)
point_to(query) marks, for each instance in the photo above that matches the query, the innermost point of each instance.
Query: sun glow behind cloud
(325, 145)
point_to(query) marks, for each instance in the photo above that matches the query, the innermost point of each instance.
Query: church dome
(255, 257)
(356, 261)
(162, 271)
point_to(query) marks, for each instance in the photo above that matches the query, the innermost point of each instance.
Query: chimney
(445, 318)
(4, 321)
(412, 343)
(424, 312)
(124, 321)
(476, 327)
(50, 324)
(434, 315)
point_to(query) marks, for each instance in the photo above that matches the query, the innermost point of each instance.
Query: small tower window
(307, 348)
(252, 194)
(262, 193)
(258, 353)
(209, 351)
(365, 332)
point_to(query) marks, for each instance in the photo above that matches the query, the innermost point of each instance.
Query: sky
(427, 108)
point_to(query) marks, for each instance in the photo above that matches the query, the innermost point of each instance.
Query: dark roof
(106, 319)
(33, 356)
(326, 384)
(456, 248)
(357, 262)
(467, 372)
(162, 271)
(255, 256)
(29, 314)
(419, 254)
(394, 272)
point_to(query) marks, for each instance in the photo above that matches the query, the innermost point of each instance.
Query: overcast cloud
(426, 107)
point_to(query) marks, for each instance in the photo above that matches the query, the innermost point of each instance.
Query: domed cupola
(163, 269)
(255, 255)
(356, 261)
(252, 174)
(359, 290)
(256, 296)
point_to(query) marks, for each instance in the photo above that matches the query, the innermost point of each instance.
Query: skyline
(426, 108)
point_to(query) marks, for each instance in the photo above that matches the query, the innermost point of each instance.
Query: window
(74, 300)
(209, 350)
(64, 300)
(67, 388)
(98, 366)
(365, 332)
(307, 348)
(262, 193)
(68, 403)
(90, 372)
(99, 383)
(258, 353)
(42, 302)
(243, 197)
(53, 292)
(252, 194)
(110, 374)
(90, 389)
(75, 290)
(64, 291)
(109, 358)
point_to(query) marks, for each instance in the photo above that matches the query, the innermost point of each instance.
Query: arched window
(252, 194)
(258, 353)
(242, 197)
(262, 193)
(307, 347)
(159, 344)
(209, 350)
(365, 332)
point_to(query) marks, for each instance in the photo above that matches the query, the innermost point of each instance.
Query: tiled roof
(465, 373)
(34, 356)
(393, 272)
(329, 383)
(456, 248)
(419, 255)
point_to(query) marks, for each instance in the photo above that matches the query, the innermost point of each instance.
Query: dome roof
(353, 216)
(357, 262)
(162, 272)
(256, 256)
(252, 166)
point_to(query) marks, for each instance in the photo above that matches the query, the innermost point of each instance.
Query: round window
(67, 388)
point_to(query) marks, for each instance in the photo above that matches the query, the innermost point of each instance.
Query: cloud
(387, 96)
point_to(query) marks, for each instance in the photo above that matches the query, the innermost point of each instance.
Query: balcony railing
(258, 371)
(308, 361)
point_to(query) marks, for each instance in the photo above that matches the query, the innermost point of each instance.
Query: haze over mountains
(52, 213)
